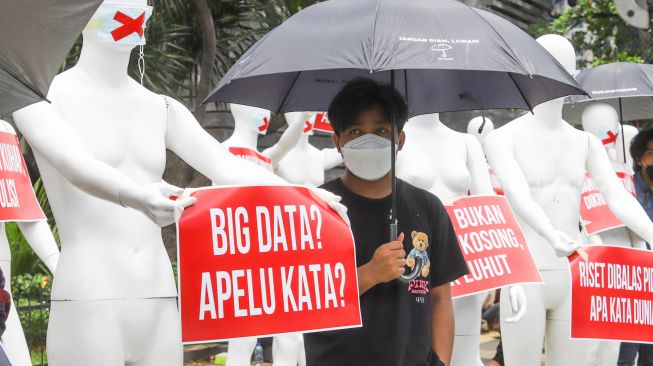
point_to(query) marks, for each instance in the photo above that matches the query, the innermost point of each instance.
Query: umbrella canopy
(35, 37)
(448, 57)
(628, 87)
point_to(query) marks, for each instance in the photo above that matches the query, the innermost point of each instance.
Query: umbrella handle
(393, 231)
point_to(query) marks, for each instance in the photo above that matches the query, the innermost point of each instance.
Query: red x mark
(265, 125)
(308, 126)
(129, 25)
(610, 139)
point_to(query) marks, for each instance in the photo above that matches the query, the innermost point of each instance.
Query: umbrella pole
(393, 211)
(621, 122)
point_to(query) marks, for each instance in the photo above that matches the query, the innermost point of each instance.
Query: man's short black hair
(359, 96)
(639, 146)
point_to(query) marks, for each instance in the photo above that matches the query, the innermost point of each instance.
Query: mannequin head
(629, 133)
(480, 127)
(561, 49)
(305, 118)
(118, 24)
(253, 118)
(601, 120)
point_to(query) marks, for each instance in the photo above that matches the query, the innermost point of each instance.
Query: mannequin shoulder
(6, 127)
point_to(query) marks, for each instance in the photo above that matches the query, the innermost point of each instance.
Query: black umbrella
(628, 87)
(440, 55)
(35, 37)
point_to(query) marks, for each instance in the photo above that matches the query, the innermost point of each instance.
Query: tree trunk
(207, 27)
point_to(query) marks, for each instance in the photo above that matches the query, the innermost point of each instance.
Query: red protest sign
(612, 294)
(595, 214)
(252, 156)
(493, 245)
(321, 123)
(17, 199)
(257, 261)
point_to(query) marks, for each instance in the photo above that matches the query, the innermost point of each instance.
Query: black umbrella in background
(628, 87)
(35, 37)
(440, 55)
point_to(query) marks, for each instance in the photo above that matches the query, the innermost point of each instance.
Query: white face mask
(260, 123)
(121, 24)
(368, 156)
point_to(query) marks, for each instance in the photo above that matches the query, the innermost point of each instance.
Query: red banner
(252, 156)
(493, 245)
(17, 199)
(257, 261)
(321, 123)
(595, 215)
(612, 294)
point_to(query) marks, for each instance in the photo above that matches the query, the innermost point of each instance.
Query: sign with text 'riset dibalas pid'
(260, 260)
(492, 243)
(17, 199)
(612, 294)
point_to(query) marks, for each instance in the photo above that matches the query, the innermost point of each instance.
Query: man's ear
(402, 139)
(336, 141)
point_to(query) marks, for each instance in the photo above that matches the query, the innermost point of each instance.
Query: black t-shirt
(396, 316)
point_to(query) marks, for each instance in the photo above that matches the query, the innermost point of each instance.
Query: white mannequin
(540, 161)
(40, 238)
(114, 296)
(629, 132)
(480, 127)
(305, 164)
(459, 168)
(247, 121)
(602, 121)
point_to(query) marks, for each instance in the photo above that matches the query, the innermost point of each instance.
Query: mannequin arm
(287, 142)
(621, 203)
(57, 143)
(40, 238)
(332, 158)
(481, 182)
(500, 154)
(186, 138)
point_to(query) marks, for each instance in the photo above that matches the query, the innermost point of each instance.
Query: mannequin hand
(562, 244)
(517, 303)
(154, 201)
(333, 201)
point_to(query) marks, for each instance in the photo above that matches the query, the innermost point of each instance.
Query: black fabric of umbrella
(440, 55)
(627, 87)
(35, 37)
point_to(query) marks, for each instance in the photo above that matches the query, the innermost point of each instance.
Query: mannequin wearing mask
(449, 164)
(249, 124)
(540, 161)
(40, 239)
(602, 121)
(114, 296)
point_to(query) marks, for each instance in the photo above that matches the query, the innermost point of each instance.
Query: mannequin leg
(166, 347)
(80, 333)
(522, 342)
(240, 351)
(561, 350)
(286, 349)
(608, 353)
(14, 340)
(467, 313)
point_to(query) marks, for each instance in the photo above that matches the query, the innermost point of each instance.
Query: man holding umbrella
(403, 323)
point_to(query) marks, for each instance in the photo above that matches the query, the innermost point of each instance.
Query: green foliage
(598, 33)
(31, 295)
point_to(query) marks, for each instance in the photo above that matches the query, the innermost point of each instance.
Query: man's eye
(354, 132)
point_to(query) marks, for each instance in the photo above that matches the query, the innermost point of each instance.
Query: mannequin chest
(552, 159)
(435, 162)
(302, 166)
(125, 130)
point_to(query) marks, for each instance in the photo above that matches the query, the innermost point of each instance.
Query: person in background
(641, 149)
(5, 304)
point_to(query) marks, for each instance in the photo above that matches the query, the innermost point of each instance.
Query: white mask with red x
(121, 24)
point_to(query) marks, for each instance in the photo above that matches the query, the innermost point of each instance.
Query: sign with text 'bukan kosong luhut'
(612, 294)
(259, 260)
(493, 245)
(17, 199)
